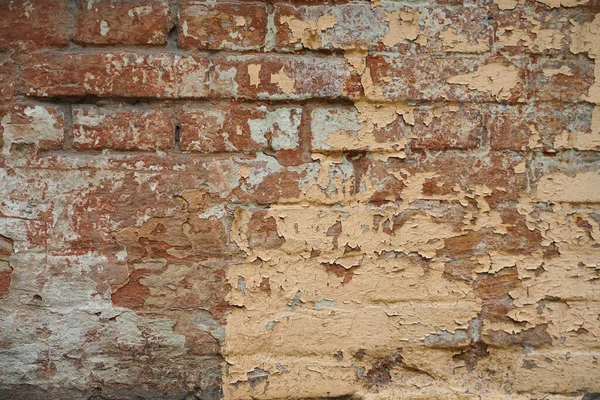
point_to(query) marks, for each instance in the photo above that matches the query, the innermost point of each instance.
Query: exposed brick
(125, 74)
(240, 128)
(283, 77)
(40, 23)
(5, 277)
(262, 231)
(533, 27)
(562, 125)
(451, 29)
(493, 291)
(390, 26)
(267, 182)
(424, 77)
(532, 337)
(205, 25)
(123, 128)
(353, 26)
(436, 127)
(564, 78)
(120, 22)
(453, 171)
(6, 250)
(330, 122)
(542, 126)
(511, 127)
(192, 239)
(496, 172)
(442, 127)
(8, 79)
(40, 125)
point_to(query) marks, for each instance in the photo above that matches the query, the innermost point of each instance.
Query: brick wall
(299, 199)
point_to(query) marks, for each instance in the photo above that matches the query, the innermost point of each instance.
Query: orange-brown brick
(511, 127)
(262, 231)
(533, 27)
(425, 77)
(6, 250)
(41, 23)
(437, 127)
(33, 124)
(361, 26)
(123, 128)
(496, 171)
(560, 119)
(356, 26)
(564, 78)
(284, 77)
(119, 22)
(453, 170)
(442, 127)
(267, 182)
(241, 26)
(239, 128)
(123, 74)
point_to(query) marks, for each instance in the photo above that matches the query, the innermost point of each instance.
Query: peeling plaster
(402, 26)
(309, 32)
(497, 79)
(284, 81)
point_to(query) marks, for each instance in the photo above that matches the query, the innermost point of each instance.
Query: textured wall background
(299, 199)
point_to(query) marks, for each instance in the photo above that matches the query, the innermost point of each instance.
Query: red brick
(265, 181)
(124, 74)
(178, 243)
(529, 127)
(222, 26)
(40, 125)
(493, 290)
(356, 26)
(495, 171)
(123, 128)
(533, 27)
(435, 127)
(361, 26)
(511, 127)
(425, 77)
(441, 24)
(239, 128)
(554, 120)
(455, 126)
(6, 250)
(284, 77)
(8, 78)
(120, 22)
(5, 272)
(262, 231)
(453, 170)
(570, 86)
(40, 23)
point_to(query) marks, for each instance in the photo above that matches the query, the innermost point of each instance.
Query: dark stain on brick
(265, 286)
(339, 271)
(472, 354)
(532, 337)
(379, 374)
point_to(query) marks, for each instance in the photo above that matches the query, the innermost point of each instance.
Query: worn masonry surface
(300, 199)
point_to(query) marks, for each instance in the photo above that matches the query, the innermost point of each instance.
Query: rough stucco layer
(299, 199)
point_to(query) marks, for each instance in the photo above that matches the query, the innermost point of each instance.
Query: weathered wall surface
(299, 199)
